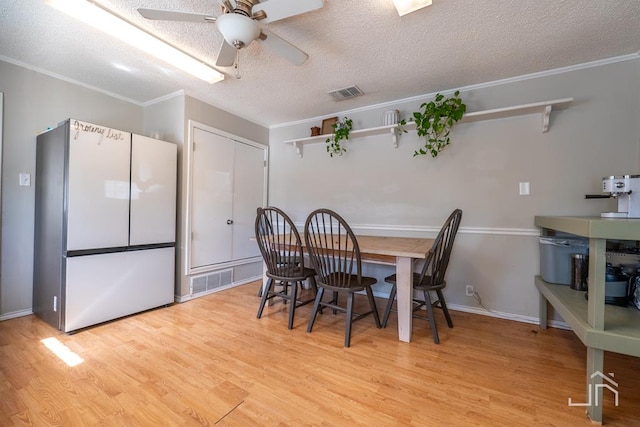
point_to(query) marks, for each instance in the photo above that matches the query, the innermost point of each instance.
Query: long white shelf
(544, 108)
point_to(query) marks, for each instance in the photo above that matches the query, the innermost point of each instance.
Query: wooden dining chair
(281, 248)
(335, 256)
(431, 278)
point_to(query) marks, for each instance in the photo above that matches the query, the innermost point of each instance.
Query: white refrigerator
(104, 224)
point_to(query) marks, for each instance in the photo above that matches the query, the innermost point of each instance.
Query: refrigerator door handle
(101, 251)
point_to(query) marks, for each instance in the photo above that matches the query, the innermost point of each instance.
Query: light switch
(25, 180)
(525, 189)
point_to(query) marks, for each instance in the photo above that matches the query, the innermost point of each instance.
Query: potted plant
(435, 120)
(341, 131)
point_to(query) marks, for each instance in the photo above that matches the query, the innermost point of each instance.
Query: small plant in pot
(435, 120)
(335, 143)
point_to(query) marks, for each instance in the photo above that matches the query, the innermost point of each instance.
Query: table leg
(404, 279)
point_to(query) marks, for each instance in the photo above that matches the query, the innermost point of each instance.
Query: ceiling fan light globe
(237, 30)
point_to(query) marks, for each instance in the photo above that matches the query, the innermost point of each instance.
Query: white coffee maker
(625, 188)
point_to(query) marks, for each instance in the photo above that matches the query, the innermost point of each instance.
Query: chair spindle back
(333, 249)
(279, 242)
(438, 258)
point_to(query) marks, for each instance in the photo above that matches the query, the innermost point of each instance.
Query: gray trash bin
(555, 257)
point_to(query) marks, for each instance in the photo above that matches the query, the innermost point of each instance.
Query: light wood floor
(210, 361)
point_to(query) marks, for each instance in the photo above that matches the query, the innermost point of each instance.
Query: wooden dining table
(401, 252)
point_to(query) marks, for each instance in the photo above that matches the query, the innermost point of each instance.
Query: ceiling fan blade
(280, 9)
(226, 4)
(227, 55)
(167, 15)
(283, 48)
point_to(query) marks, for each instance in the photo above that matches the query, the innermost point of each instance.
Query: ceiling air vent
(346, 93)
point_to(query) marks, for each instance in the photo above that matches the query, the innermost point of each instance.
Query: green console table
(600, 327)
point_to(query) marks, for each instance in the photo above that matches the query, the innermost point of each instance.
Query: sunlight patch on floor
(62, 351)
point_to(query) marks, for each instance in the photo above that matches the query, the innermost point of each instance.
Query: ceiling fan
(238, 25)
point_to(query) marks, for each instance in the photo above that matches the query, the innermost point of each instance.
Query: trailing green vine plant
(435, 120)
(341, 131)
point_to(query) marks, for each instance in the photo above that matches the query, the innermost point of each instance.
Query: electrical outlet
(469, 291)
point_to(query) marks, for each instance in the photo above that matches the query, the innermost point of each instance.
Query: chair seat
(416, 282)
(353, 286)
(288, 274)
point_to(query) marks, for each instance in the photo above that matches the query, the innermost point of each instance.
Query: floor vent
(346, 93)
(210, 281)
(198, 284)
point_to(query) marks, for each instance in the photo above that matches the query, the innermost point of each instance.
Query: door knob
(229, 221)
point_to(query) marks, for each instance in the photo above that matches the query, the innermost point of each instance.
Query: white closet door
(211, 199)
(227, 186)
(248, 191)
(98, 187)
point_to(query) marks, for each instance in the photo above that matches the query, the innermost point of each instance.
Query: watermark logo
(608, 383)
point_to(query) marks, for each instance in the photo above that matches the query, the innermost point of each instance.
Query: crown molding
(68, 80)
(422, 97)
(164, 98)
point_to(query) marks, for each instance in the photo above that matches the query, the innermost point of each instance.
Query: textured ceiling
(451, 44)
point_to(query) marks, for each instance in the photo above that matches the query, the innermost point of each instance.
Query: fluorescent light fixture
(408, 6)
(104, 20)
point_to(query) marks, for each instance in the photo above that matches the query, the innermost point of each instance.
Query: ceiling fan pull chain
(236, 65)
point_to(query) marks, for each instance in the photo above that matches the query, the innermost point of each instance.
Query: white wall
(223, 120)
(166, 117)
(382, 190)
(33, 102)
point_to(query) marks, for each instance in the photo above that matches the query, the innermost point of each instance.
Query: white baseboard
(15, 314)
(185, 298)
(491, 313)
(509, 316)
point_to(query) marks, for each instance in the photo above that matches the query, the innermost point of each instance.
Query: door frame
(188, 270)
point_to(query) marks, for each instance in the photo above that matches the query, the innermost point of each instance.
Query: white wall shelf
(543, 108)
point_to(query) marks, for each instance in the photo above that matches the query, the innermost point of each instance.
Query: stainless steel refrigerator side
(62, 301)
(48, 271)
